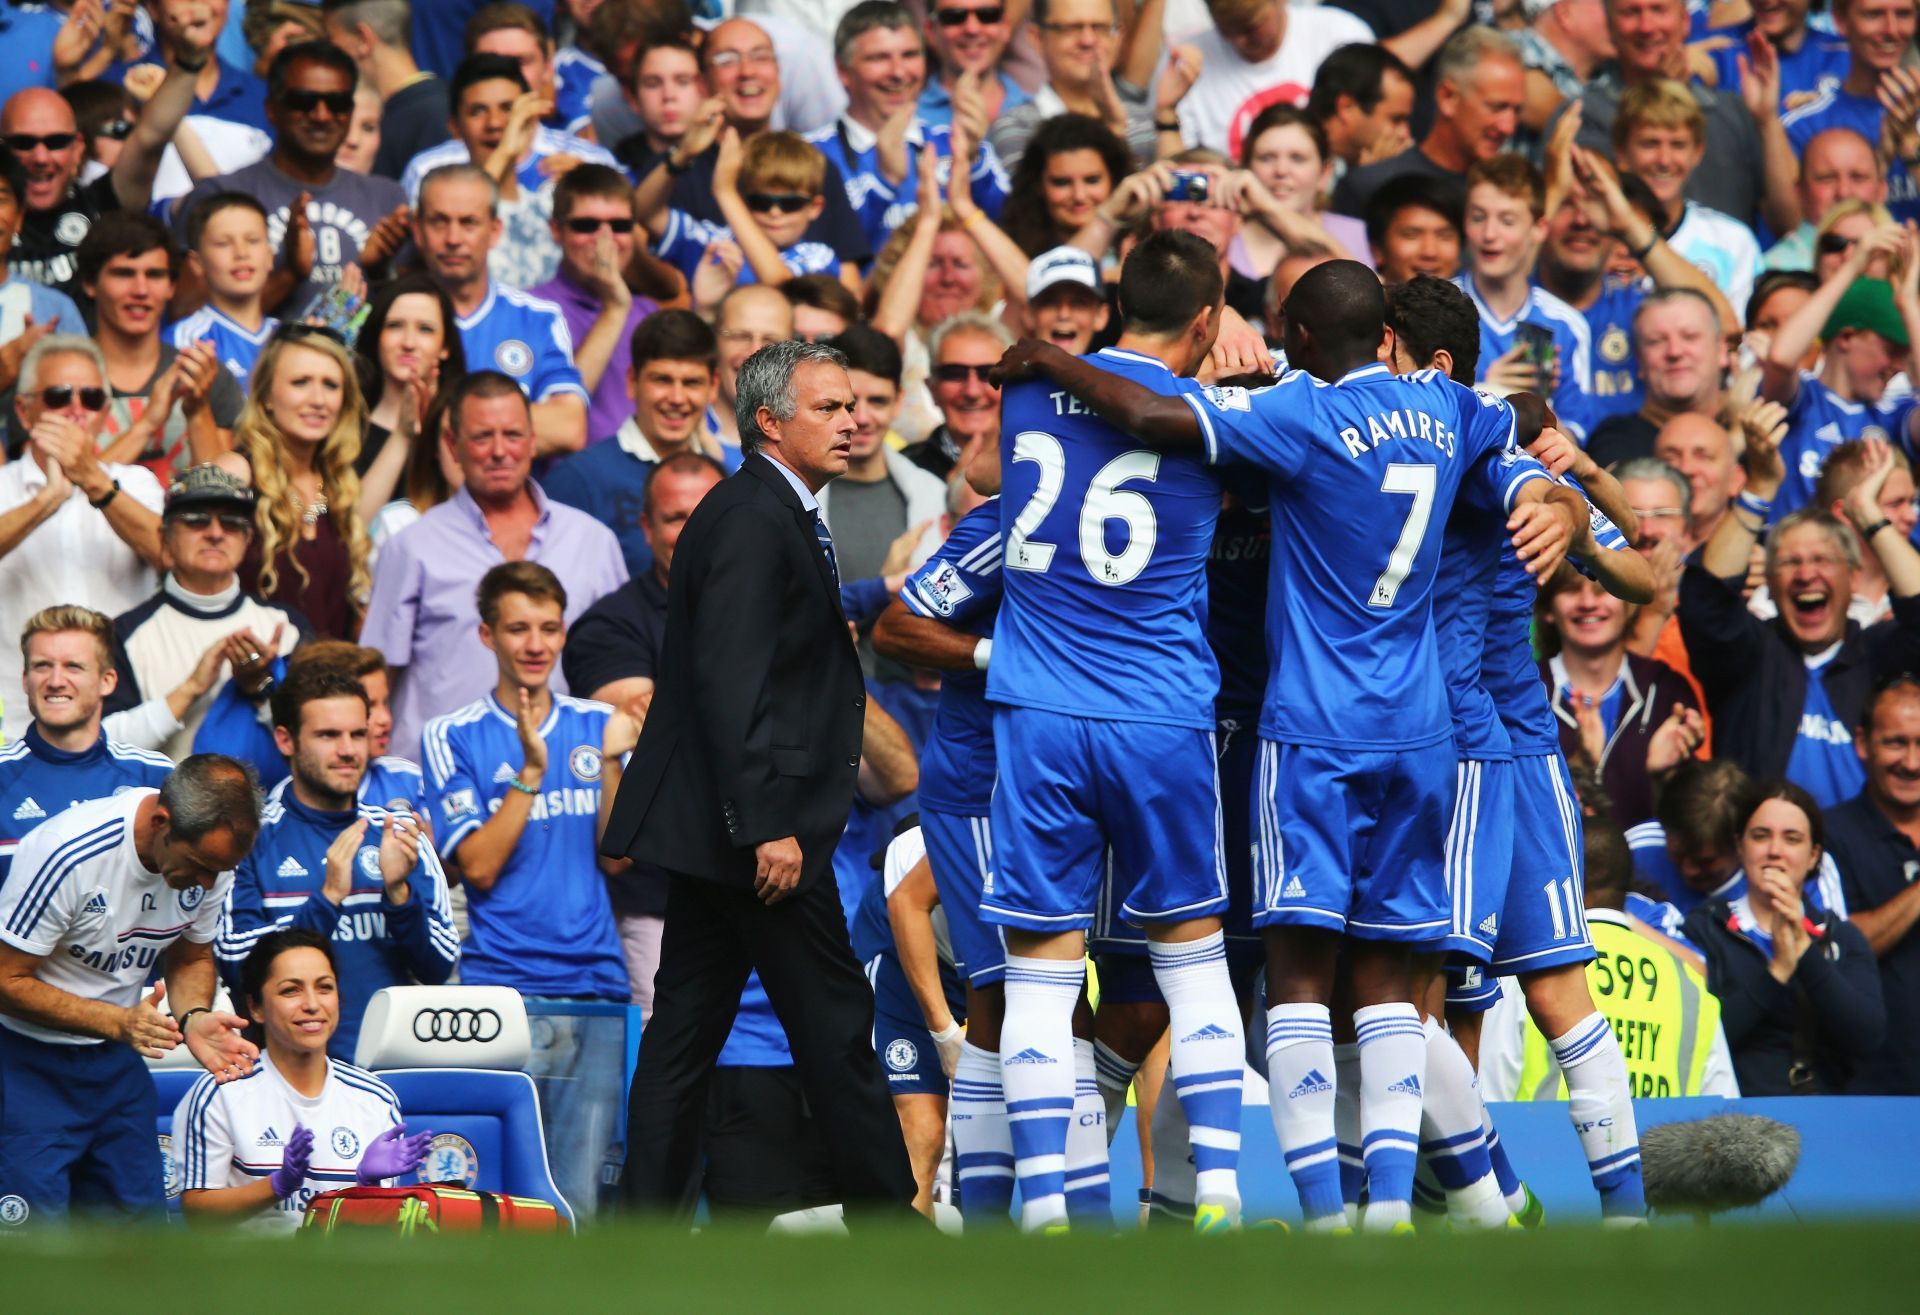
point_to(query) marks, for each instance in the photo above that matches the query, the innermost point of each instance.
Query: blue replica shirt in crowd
(883, 206)
(1818, 421)
(1647, 842)
(1104, 612)
(1821, 62)
(376, 943)
(38, 780)
(959, 586)
(531, 172)
(687, 238)
(1823, 761)
(1363, 476)
(1508, 670)
(1237, 607)
(1835, 107)
(757, 1039)
(524, 337)
(574, 71)
(545, 928)
(1616, 365)
(1659, 915)
(237, 346)
(1570, 338)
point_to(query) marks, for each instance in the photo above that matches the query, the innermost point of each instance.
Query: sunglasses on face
(584, 226)
(1834, 244)
(302, 101)
(233, 522)
(21, 143)
(988, 15)
(116, 129)
(60, 396)
(778, 203)
(958, 372)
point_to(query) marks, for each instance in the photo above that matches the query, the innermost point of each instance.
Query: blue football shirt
(1818, 421)
(1571, 341)
(1104, 609)
(524, 337)
(959, 586)
(38, 780)
(546, 927)
(1617, 387)
(1364, 473)
(237, 346)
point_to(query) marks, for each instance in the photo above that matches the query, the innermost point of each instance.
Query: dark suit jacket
(755, 728)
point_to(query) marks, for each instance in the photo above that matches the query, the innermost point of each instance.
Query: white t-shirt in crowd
(1231, 92)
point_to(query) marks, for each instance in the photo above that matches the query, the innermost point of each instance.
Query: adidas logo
(97, 903)
(1313, 1083)
(1407, 1086)
(1211, 1032)
(1293, 889)
(1489, 925)
(1031, 1056)
(503, 773)
(290, 867)
(28, 810)
(269, 1138)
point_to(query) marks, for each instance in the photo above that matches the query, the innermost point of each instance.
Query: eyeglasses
(989, 16)
(1834, 244)
(778, 203)
(732, 59)
(584, 226)
(21, 143)
(60, 396)
(958, 372)
(116, 129)
(1078, 29)
(302, 101)
(233, 522)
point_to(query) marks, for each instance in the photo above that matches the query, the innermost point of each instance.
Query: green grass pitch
(1870, 1266)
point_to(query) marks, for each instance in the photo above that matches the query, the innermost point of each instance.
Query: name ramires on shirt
(1405, 424)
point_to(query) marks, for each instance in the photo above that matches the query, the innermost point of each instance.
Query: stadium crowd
(363, 362)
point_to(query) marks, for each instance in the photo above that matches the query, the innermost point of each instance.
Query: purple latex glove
(392, 1154)
(294, 1157)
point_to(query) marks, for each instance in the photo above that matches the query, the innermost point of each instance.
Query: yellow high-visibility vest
(1662, 1013)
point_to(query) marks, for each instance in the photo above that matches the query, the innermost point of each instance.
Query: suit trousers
(715, 935)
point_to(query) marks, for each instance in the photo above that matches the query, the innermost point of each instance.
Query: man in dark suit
(740, 787)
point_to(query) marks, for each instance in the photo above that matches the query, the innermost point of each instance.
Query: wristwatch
(100, 503)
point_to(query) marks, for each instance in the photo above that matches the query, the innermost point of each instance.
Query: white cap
(1062, 265)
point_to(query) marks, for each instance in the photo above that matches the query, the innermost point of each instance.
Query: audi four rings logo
(456, 1025)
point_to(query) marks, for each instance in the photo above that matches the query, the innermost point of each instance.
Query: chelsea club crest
(585, 762)
(450, 1158)
(190, 898)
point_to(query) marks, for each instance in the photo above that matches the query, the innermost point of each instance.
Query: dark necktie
(826, 545)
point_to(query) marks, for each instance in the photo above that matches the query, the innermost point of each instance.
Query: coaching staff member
(740, 787)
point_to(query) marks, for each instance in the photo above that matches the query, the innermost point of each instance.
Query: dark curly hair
(1025, 218)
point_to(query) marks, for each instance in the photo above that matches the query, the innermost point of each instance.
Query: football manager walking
(740, 787)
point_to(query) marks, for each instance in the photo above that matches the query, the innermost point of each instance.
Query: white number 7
(1419, 481)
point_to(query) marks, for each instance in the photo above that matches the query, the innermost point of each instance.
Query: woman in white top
(254, 1151)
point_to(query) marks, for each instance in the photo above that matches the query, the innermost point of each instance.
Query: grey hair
(460, 173)
(968, 321)
(59, 344)
(1822, 520)
(209, 791)
(1469, 48)
(391, 21)
(1669, 296)
(766, 379)
(869, 16)
(1655, 468)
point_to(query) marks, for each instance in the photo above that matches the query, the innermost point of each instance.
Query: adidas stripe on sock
(1300, 1090)
(1208, 1059)
(1088, 1201)
(1114, 1073)
(1036, 1069)
(982, 1143)
(1600, 1103)
(1393, 1064)
(1453, 1139)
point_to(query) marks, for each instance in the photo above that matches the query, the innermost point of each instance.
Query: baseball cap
(207, 486)
(1867, 304)
(1063, 265)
